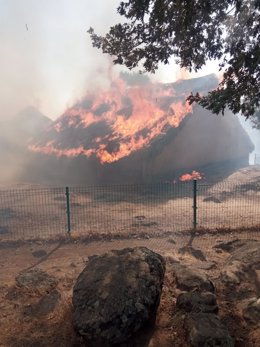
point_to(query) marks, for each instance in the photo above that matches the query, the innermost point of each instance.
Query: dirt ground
(157, 225)
(21, 326)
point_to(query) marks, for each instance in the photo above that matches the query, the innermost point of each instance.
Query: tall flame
(112, 124)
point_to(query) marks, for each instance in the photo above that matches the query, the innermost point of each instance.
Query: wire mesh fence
(31, 213)
(228, 205)
(123, 210)
(128, 209)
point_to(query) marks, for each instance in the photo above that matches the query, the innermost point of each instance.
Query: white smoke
(47, 59)
(254, 134)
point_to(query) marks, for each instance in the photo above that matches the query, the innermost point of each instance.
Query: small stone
(207, 265)
(212, 199)
(40, 253)
(189, 278)
(172, 241)
(197, 302)
(206, 329)
(252, 311)
(232, 272)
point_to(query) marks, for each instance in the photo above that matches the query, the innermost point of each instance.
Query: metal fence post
(67, 193)
(194, 204)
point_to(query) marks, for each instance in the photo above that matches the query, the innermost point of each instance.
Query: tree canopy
(194, 31)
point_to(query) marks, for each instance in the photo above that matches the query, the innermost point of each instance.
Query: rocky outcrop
(117, 294)
(243, 262)
(239, 282)
(203, 326)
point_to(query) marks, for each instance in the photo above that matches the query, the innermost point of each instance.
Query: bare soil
(23, 326)
(161, 226)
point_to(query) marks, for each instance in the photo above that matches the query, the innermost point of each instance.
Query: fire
(195, 175)
(112, 124)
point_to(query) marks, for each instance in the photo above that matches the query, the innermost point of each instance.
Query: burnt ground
(42, 316)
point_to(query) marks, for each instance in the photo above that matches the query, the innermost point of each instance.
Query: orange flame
(132, 116)
(195, 175)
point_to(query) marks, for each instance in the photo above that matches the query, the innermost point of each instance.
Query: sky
(46, 57)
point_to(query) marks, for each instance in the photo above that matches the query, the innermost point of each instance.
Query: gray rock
(252, 311)
(191, 278)
(232, 272)
(117, 294)
(243, 259)
(206, 329)
(197, 302)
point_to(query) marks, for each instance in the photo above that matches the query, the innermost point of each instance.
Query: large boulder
(117, 294)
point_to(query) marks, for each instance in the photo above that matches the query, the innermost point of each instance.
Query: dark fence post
(194, 204)
(68, 209)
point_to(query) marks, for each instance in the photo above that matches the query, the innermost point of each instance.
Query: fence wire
(32, 213)
(131, 209)
(127, 210)
(228, 205)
